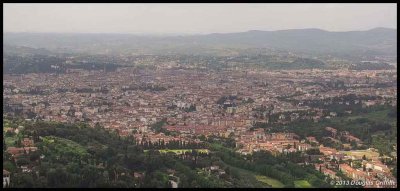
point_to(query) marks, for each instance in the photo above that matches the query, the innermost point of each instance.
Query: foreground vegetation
(75, 155)
(375, 126)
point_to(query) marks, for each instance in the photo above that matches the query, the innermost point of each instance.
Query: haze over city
(194, 18)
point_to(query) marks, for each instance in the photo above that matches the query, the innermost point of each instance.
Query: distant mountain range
(374, 42)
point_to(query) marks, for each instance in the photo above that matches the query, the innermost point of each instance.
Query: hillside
(79, 156)
(374, 42)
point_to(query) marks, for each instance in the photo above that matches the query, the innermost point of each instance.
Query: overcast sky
(194, 18)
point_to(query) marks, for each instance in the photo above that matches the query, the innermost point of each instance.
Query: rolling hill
(374, 42)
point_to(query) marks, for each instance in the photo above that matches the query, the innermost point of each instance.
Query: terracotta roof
(347, 168)
(327, 171)
(5, 172)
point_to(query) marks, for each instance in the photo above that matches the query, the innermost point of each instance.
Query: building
(332, 130)
(14, 151)
(26, 142)
(303, 146)
(312, 139)
(6, 178)
(331, 174)
(355, 174)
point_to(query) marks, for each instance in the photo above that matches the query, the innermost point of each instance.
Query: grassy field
(270, 181)
(181, 151)
(361, 153)
(60, 145)
(302, 184)
(259, 181)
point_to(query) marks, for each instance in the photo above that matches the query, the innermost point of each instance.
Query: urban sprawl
(192, 102)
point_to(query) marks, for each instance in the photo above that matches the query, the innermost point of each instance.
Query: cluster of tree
(223, 99)
(385, 84)
(8, 107)
(225, 142)
(191, 108)
(297, 64)
(281, 117)
(89, 90)
(248, 100)
(110, 160)
(263, 110)
(62, 90)
(393, 112)
(34, 91)
(145, 87)
(279, 168)
(372, 66)
(33, 64)
(75, 170)
(108, 67)
(313, 151)
(336, 84)
(384, 143)
(80, 156)
(40, 63)
(327, 142)
(361, 127)
(261, 84)
(157, 127)
(341, 104)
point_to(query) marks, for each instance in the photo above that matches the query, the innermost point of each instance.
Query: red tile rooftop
(6, 173)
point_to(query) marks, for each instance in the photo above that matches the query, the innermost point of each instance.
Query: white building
(6, 178)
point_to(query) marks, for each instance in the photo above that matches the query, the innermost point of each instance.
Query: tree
(313, 151)
(24, 181)
(394, 173)
(4, 145)
(41, 182)
(34, 156)
(57, 177)
(10, 134)
(22, 161)
(9, 166)
(97, 126)
(353, 144)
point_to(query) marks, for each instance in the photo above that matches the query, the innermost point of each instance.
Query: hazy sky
(194, 18)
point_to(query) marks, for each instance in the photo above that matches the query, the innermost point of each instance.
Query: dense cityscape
(235, 117)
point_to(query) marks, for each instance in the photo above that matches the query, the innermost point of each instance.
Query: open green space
(270, 181)
(254, 178)
(63, 146)
(302, 184)
(360, 153)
